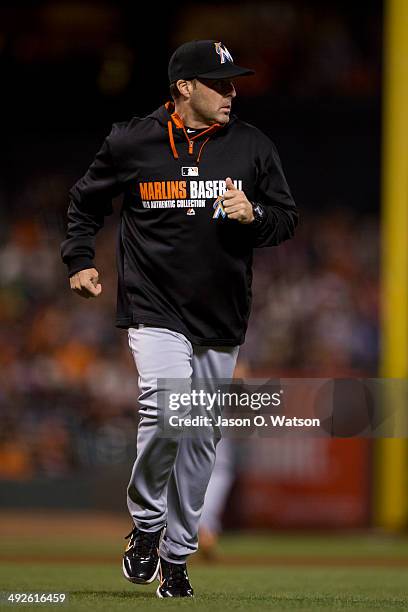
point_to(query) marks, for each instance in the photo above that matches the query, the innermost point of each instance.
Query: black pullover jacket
(182, 264)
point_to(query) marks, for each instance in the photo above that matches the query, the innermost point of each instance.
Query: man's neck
(189, 118)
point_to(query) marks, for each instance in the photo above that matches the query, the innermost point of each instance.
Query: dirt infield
(57, 522)
(47, 528)
(222, 560)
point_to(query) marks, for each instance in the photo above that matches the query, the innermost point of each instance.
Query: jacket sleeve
(272, 194)
(90, 201)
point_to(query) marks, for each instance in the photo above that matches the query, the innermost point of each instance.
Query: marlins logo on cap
(223, 52)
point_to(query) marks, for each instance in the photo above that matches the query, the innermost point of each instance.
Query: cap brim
(226, 71)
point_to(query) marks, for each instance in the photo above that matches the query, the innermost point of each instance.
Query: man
(201, 190)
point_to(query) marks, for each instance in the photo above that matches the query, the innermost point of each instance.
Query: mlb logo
(189, 171)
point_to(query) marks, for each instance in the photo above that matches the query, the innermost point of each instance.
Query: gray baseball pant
(171, 474)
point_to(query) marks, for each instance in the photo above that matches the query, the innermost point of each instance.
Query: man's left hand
(236, 204)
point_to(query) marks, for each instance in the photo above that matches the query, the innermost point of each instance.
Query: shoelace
(142, 542)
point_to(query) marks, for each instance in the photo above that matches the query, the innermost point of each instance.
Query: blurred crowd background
(68, 387)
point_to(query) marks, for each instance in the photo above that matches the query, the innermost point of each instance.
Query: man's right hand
(85, 283)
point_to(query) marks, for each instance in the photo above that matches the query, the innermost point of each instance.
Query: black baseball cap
(209, 59)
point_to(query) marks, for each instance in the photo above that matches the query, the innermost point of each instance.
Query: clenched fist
(85, 283)
(236, 204)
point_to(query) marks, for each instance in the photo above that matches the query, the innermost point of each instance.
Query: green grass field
(253, 572)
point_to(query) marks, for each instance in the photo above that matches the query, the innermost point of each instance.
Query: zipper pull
(190, 147)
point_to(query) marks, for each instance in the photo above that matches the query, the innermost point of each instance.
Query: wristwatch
(259, 214)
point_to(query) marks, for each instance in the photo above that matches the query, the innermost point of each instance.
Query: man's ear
(185, 88)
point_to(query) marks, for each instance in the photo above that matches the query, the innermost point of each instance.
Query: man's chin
(223, 117)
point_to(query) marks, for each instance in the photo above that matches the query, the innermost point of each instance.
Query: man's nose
(230, 90)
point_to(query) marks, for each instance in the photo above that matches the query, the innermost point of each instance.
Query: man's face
(211, 100)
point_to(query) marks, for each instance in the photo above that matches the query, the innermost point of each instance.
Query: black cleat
(141, 560)
(174, 580)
